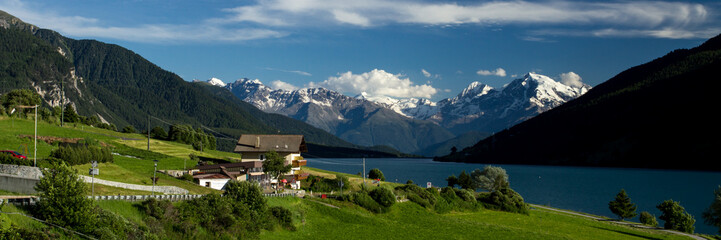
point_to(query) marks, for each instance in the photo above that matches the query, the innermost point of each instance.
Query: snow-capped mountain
(216, 82)
(357, 120)
(411, 124)
(483, 108)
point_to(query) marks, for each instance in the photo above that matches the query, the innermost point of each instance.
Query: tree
(622, 206)
(491, 178)
(20, 97)
(452, 180)
(274, 165)
(129, 129)
(63, 198)
(647, 219)
(675, 216)
(465, 181)
(454, 150)
(712, 215)
(158, 133)
(70, 114)
(376, 174)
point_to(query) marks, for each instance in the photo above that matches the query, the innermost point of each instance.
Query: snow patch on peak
(216, 82)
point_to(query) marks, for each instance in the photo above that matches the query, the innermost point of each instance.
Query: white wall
(214, 183)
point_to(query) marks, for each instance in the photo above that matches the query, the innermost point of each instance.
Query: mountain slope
(657, 115)
(355, 120)
(123, 88)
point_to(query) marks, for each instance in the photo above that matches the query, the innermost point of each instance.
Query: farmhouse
(254, 147)
(216, 175)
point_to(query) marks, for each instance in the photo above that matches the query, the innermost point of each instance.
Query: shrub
(158, 133)
(129, 129)
(362, 199)
(383, 196)
(7, 159)
(418, 195)
(82, 153)
(376, 174)
(647, 219)
(283, 217)
(504, 200)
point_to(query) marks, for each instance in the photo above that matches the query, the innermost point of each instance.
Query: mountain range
(655, 115)
(418, 126)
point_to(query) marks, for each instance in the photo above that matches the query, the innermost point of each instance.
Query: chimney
(257, 142)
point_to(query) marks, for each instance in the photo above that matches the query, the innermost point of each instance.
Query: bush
(376, 174)
(283, 217)
(383, 196)
(647, 219)
(418, 195)
(82, 153)
(364, 200)
(129, 129)
(7, 159)
(158, 133)
(504, 200)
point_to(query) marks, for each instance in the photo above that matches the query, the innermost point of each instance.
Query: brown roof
(266, 143)
(211, 176)
(246, 165)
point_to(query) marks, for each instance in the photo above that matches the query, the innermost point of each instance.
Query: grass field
(410, 221)
(134, 164)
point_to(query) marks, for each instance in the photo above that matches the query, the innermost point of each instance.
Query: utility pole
(155, 169)
(35, 140)
(62, 103)
(148, 132)
(364, 172)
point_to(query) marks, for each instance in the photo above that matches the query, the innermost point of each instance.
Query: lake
(583, 189)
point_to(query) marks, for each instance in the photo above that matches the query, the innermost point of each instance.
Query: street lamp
(155, 169)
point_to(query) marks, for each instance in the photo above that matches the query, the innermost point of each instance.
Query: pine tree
(622, 206)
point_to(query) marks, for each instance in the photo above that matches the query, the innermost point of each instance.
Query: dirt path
(636, 225)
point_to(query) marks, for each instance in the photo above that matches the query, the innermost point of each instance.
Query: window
(207, 184)
(262, 157)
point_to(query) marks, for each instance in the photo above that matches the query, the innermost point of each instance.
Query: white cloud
(376, 83)
(303, 73)
(278, 84)
(425, 73)
(79, 26)
(659, 17)
(571, 79)
(498, 72)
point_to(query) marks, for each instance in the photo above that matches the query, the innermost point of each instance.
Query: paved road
(636, 225)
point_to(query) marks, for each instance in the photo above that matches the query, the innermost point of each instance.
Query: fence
(32, 200)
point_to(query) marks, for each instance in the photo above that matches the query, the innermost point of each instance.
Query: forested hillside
(661, 114)
(123, 88)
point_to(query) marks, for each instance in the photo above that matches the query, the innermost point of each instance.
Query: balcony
(301, 176)
(299, 163)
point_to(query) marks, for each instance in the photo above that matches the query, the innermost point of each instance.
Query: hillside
(656, 115)
(121, 87)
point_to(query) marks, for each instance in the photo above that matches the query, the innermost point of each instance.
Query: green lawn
(410, 221)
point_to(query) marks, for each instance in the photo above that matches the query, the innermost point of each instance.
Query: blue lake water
(583, 189)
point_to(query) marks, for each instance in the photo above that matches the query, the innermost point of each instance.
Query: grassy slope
(135, 170)
(404, 221)
(410, 221)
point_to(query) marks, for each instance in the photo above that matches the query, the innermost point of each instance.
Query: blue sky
(405, 48)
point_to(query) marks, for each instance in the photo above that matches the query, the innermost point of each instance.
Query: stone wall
(19, 179)
(17, 184)
(21, 171)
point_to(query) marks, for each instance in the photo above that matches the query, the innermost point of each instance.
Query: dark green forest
(661, 114)
(125, 89)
